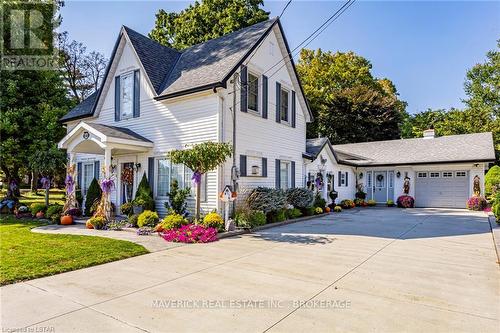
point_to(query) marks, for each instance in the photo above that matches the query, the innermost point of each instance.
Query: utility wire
(286, 6)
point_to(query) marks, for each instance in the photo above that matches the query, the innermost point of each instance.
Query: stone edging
(267, 226)
(495, 232)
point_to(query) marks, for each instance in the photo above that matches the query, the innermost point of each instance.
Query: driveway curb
(495, 232)
(268, 226)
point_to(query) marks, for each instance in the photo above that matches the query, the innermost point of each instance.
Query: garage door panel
(441, 192)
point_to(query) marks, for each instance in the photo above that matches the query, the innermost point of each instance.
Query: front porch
(100, 151)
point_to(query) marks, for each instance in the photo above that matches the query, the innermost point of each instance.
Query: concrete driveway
(385, 270)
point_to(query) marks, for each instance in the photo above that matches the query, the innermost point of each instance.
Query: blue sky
(424, 47)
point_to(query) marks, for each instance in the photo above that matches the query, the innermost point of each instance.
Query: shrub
(496, 211)
(405, 201)
(347, 204)
(173, 221)
(300, 197)
(476, 203)
(360, 195)
(37, 207)
(54, 212)
(281, 215)
(337, 209)
(372, 203)
(492, 180)
(145, 194)
(177, 198)
(98, 222)
(93, 194)
(191, 234)
(132, 220)
(147, 219)
(127, 208)
(309, 211)
(246, 218)
(266, 199)
(74, 212)
(360, 202)
(318, 210)
(214, 220)
(319, 201)
(390, 203)
(293, 213)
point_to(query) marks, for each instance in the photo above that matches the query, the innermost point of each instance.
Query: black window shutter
(278, 102)
(265, 95)
(117, 98)
(264, 167)
(244, 83)
(277, 175)
(151, 173)
(293, 109)
(346, 179)
(340, 178)
(79, 171)
(243, 165)
(97, 169)
(137, 93)
(293, 174)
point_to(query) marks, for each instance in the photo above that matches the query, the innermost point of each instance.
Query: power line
(286, 6)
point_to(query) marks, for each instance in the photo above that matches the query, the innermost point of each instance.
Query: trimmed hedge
(93, 194)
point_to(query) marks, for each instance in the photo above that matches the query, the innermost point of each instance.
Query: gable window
(127, 95)
(284, 175)
(284, 105)
(253, 92)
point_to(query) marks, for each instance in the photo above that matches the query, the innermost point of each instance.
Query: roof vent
(429, 134)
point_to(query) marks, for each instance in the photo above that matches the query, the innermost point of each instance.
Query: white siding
(259, 137)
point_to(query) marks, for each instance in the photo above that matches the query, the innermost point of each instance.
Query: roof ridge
(150, 39)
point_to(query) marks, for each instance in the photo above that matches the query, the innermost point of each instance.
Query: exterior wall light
(398, 174)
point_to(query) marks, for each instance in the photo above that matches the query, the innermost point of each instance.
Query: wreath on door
(380, 178)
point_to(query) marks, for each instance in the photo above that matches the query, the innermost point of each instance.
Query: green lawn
(26, 255)
(28, 197)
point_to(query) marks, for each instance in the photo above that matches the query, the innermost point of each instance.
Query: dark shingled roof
(157, 60)
(314, 146)
(200, 66)
(476, 147)
(84, 109)
(210, 62)
(118, 132)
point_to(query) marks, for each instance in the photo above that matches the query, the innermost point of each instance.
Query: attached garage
(448, 189)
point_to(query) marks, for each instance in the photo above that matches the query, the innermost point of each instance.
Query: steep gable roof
(199, 67)
(157, 60)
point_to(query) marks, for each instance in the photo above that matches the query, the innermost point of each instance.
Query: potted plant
(138, 205)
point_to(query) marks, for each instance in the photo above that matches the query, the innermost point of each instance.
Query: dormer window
(127, 96)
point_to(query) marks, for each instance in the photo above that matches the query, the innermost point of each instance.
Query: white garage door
(441, 189)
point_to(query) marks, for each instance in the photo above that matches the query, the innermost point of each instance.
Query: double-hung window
(284, 105)
(167, 172)
(88, 175)
(253, 92)
(284, 175)
(127, 95)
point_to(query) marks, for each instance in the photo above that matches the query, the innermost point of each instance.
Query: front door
(380, 191)
(127, 181)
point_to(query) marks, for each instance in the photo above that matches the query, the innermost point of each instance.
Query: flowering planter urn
(66, 219)
(138, 209)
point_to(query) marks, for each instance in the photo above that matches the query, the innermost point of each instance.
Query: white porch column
(107, 162)
(72, 158)
(325, 186)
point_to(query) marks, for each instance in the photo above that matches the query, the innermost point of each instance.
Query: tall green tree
(205, 20)
(348, 102)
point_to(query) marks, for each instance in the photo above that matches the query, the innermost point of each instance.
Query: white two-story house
(241, 88)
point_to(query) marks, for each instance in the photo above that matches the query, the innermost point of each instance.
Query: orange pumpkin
(89, 225)
(66, 219)
(40, 215)
(327, 209)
